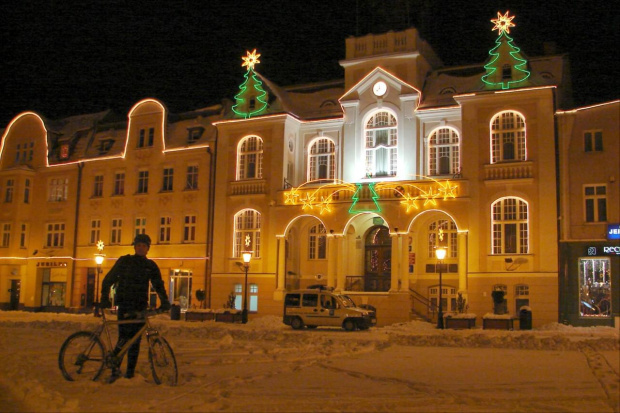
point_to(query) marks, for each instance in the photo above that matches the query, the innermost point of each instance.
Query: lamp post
(440, 253)
(247, 256)
(99, 257)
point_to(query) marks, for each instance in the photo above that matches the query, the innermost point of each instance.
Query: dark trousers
(126, 333)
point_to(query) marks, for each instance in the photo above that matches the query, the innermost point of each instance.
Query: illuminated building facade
(351, 184)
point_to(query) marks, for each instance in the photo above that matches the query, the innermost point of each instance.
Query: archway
(377, 259)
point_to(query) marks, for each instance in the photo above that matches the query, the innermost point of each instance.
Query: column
(341, 263)
(395, 267)
(404, 271)
(332, 260)
(462, 248)
(278, 295)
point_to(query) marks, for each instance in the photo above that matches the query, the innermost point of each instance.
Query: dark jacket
(131, 274)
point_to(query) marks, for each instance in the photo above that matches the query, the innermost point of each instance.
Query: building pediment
(379, 84)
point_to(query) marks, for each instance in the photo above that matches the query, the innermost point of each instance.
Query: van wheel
(297, 324)
(348, 325)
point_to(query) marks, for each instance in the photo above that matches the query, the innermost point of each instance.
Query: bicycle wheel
(81, 357)
(163, 363)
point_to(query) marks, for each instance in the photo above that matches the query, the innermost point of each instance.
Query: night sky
(71, 57)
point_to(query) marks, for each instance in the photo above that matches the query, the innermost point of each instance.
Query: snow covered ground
(266, 366)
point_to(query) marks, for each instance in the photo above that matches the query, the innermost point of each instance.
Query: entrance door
(90, 288)
(15, 287)
(378, 259)
(181, 288)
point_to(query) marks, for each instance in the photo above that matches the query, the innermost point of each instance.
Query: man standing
(132, 274)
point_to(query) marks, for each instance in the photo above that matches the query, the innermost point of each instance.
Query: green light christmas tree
(252, 98)
(507, 66)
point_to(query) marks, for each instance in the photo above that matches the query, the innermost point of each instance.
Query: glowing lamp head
(247, 256)
(440, 253)
(99, 258)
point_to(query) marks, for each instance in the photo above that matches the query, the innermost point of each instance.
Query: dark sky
(71, 57)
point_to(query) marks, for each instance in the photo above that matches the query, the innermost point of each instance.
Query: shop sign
(604, 250)
(613, 231)
(51, 264)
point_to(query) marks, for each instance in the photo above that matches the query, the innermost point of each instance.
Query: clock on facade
(379, 88)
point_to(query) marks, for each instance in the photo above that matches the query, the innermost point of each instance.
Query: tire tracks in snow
(604, 374)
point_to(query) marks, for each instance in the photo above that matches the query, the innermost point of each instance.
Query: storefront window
(52, 292)
(595, 287)
(181, 288)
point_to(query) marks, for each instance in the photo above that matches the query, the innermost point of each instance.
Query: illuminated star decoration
(324, 205)
(409, 202)
(100, 245)
(250, 60)
(502, 23)
(308, 201)
(248, 241)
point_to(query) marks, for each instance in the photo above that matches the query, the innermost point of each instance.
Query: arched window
(321, 159)
(446, 229)
(317, 242)
(250, 158)
(508, 137)
(381, 144)
(509, 220)
(247, 232)
(443, 152)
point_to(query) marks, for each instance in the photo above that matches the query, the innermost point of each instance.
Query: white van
(318, 307)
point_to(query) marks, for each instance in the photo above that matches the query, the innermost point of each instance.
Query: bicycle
(84, 354)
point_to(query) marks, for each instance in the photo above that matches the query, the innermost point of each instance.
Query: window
(8, 192)
(23, 235)
(58, 189)
(194, 134)
(253, 298)
(119, 183)
(317, 242)
(24, 152)
(443, 232)
(144, 139)
(95, 231)
(6, 235)
(143, 182)
(500, 307)
(247, 232)
(52, 293)
(238, 296)
(443, 152)
(510, 226)
(508, 137)
(448, 298)
(98, 186)
(165, 225)
(192, 177)
(321, 159)
(55, 235)
(189, 229)
(593, 141)
(115, 233)
(27, 191)
(167, 180)
(381, 145)
(595, 287)
(595, 203)
(64, 151)
(522, 296)
(250, 158)
(139, 226)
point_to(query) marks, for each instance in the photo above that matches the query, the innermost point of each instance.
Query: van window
(310, 300)
(328, 301)
(292, 300)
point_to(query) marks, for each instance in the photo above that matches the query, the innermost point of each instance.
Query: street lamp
(440, 253)
(247, 256)
(99, 257)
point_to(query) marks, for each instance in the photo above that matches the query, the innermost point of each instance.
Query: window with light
(381, 145)
(443, 152)
(317, 242)
(509, 218)
(250, 158)
(321, 160)
(508, 137)
(247, 232)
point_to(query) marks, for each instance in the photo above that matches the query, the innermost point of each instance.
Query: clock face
(379, 88)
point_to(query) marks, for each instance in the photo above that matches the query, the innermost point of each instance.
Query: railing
(431, 310)
(249, 187)
(509, 170)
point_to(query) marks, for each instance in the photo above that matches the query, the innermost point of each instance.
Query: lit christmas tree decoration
(252, 98)
(507, 66)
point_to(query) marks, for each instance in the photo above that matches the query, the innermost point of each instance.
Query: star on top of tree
(502, 23)
(250, 60)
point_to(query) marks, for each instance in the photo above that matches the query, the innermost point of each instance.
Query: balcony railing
(248, 187)
(509, 170)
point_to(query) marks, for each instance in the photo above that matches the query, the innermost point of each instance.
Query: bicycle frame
(108, 337)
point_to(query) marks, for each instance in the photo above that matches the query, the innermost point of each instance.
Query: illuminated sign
(613, 231)
(604, 250)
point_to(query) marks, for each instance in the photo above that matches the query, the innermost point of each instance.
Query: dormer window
(105, 145)
(194, 134)
(64, 151)
(506, 72)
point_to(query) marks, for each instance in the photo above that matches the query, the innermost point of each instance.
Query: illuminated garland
(411, 194)
(504, 53)
(251, 86)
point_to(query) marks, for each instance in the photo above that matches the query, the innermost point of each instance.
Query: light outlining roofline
(163, 121)
(437, 109)
(497, 92)
(12, 122)
(389, 74)
(90, 259)
(562, 112)
(186, 148)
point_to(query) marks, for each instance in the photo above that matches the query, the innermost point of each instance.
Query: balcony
(247, 187)
(494, 173)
